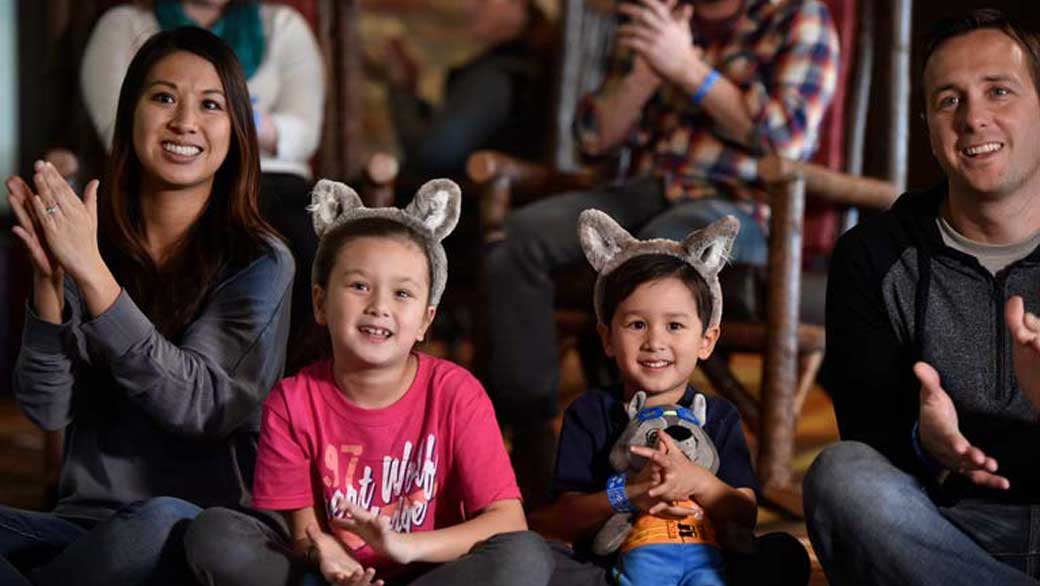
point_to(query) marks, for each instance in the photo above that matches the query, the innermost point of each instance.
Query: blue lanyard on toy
(680, 412)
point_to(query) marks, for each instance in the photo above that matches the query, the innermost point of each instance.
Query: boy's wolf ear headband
(432, 215)
(607, 246)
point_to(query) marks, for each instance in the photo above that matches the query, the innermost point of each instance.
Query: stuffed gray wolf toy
(683, 425)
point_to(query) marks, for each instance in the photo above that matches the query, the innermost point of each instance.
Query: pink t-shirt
(431, 460)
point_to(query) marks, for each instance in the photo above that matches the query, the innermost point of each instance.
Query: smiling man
(932, 358)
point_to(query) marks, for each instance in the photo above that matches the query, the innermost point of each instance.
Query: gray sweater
(145, 417)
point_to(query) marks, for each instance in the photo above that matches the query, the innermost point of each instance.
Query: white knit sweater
(289, 85)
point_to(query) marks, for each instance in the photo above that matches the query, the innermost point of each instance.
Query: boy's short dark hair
(981, 19)
(622, 281)
(336, 238)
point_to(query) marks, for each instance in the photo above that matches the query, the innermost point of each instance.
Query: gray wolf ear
(602, 238)
(709, 247)
(329, 201)
(437, 205)
(636, 404)
(700, 408)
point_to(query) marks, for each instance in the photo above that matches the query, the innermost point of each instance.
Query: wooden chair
(792, 351)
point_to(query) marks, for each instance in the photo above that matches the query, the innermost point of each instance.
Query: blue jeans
(778, 560)
(542, 238)
(672, 564)
(872, 523)
(139, 544)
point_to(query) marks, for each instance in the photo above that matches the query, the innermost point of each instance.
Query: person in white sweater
(286, 79)
(288, 87)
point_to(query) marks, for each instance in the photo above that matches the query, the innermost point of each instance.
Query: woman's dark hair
(339, 236)
(983, 18)
(625, 279)
(229, 231)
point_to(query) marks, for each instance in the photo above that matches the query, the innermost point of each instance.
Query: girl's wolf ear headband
(607, 246)
(432, 214)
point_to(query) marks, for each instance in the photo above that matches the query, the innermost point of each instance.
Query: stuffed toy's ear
(437, 205)
(329, 201)
(636, 404)
(709, 247)
(601, 238)
(700, 408)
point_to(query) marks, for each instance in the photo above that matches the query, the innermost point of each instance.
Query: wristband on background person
(617, 496)
(705, 87)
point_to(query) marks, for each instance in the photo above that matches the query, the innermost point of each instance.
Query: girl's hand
(335, 564)
(48, 276)
(68, 224)
(375, 530)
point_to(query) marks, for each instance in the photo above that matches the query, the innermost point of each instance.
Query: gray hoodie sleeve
(43, 372)
(226, 363)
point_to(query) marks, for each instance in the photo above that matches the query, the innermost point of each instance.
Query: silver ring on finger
(51, 209)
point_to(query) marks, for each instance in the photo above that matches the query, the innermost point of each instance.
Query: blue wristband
(617, 496)
(705, 87)
(933, 467)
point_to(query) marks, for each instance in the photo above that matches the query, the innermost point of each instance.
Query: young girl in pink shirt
(387, 464)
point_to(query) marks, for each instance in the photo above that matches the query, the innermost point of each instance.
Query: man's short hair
(980, 19)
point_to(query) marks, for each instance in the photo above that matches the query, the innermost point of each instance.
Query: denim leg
(750, 246)
(227, 547)
(1003, 530)
(140, 544)
(872, 523)
(519, 558)
(29, 539)
(543, 238)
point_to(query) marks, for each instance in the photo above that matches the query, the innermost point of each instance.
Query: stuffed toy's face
(681, 424)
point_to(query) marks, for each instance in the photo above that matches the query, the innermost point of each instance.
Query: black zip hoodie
(898, 294)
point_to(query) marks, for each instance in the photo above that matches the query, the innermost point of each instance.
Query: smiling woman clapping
(156, 325)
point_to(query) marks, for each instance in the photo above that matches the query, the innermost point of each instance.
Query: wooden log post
(780, 373)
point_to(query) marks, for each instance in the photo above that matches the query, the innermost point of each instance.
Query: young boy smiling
(658, 305)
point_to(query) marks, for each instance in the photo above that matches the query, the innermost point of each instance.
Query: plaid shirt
(783, 55)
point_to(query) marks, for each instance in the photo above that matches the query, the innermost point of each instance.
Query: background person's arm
(298, 110)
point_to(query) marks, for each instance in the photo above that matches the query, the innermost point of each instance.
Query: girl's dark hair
(983, 18)
(339, 236)
(620, 283)
(229, 231)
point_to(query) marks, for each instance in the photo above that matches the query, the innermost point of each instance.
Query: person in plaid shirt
(700, 89)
